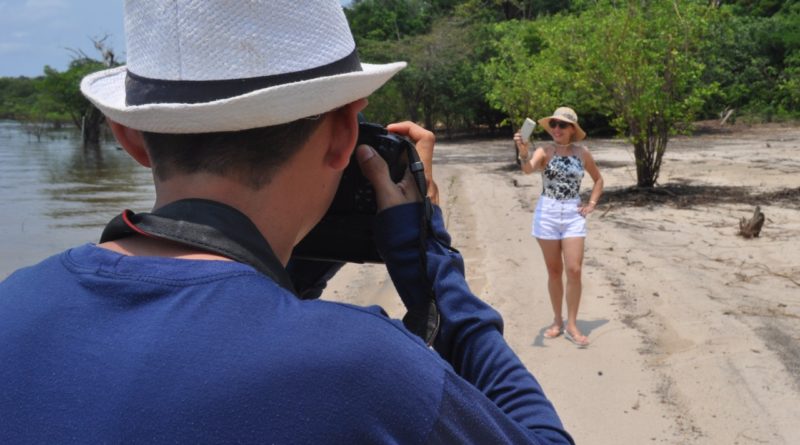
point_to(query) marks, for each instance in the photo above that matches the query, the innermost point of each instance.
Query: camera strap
(218, 228)
(206, 225)
(424, 320)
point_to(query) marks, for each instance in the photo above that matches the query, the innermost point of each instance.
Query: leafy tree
(738, 61)
(646, 66)
(634, 61)
(533, 71)
(788, 28)
(60, 91)
(523, 79)
(55, 97)
(753, 58)
(501, 10)
(434, 59)
(16, 95)
(440, 85)
(646, 57)
(388, 104)
(388, 19)
(759, 8)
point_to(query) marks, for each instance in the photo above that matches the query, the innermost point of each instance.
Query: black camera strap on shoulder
(218, 228)
(207, 225)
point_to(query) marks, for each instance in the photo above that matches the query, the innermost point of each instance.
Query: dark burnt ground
(683, 194)
(687, 195)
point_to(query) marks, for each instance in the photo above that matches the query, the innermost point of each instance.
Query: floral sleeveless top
(561, 178)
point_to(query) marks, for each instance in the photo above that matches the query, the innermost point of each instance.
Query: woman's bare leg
(573, 260)
(551, 249)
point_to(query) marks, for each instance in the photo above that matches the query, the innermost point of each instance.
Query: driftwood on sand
(752, 227)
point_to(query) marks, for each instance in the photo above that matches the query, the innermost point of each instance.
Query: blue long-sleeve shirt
(97, 347)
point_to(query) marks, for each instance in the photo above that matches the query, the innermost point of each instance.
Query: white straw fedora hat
(197, 66)
(565, 114)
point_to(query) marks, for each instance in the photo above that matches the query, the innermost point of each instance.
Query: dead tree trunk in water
(752, 228)
(92, 121)
(92, 126)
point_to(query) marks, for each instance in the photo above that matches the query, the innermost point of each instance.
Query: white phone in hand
(527, 129)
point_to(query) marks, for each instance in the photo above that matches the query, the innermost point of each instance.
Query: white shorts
(555, 219)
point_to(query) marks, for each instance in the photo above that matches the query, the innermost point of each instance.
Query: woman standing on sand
(559, 222)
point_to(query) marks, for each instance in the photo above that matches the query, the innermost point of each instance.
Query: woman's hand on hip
(586, 209)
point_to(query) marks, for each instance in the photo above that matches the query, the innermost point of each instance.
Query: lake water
(55, 195)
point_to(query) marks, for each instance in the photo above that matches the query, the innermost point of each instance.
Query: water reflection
(55, 194)
(92, 182)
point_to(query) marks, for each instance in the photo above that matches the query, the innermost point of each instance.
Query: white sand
(695, 331)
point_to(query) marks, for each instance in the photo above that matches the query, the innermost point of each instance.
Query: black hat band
(143, 91)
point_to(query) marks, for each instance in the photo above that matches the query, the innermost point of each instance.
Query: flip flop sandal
(575, 341)
(549, 332)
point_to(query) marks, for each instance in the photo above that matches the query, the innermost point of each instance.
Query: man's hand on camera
(423, 140)
(387, 193)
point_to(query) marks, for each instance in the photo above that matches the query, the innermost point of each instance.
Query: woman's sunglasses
(562, 125)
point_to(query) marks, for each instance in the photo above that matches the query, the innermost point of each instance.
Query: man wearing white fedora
(182, 325)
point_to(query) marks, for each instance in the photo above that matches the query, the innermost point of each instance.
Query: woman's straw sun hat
(565, 114)
(196, 66)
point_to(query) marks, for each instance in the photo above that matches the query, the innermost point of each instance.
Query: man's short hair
(249, 156)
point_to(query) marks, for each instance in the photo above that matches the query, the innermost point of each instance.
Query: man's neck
(275, 218)
(143, 246)
(286, 208)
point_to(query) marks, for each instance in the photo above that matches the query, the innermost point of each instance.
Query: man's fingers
(374, 168)
(433, 192)
(424, 141)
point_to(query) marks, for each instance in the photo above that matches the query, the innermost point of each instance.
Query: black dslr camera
(345, 233)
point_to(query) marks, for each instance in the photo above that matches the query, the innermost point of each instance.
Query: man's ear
(344, 126)
(132, 141)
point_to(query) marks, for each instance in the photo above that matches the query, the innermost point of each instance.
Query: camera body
(346, 231)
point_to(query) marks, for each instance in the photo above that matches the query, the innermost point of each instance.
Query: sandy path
(695, 330)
